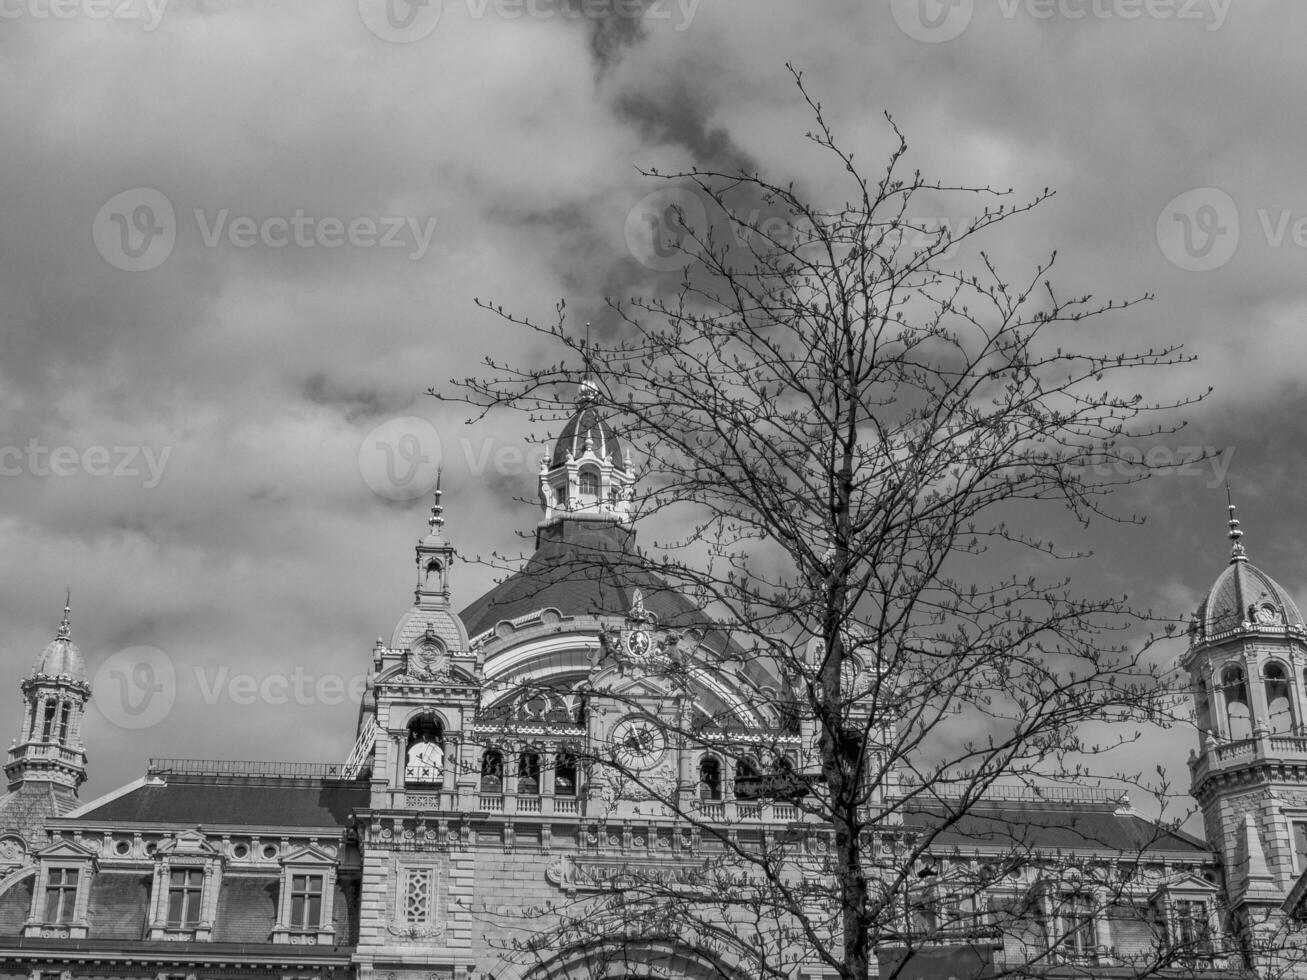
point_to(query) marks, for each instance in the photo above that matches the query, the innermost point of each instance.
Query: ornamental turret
(1246, 660)
(48, 754)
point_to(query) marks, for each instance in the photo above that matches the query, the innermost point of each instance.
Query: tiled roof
(235, 800)
(1017, 824)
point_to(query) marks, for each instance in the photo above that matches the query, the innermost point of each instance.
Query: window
(1075, 920)
(63, 723)
(49, 721)
(1278, 699)
(1236, 703)
(185, 886)
(748, 781)
(492, 771)
(424, 761)
(710, 779)
(565, 774)
(1193, 933)
(590, 482)
(1300, 843)
(528, 774)
(419, 888)
(60, 894)
(305, 901)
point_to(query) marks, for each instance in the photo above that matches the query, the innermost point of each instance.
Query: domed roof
(587, 424)
(61, 658)
(1243, 593)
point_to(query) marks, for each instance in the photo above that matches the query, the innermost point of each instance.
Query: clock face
(1267, 615)
(638, 743)
(638, 643)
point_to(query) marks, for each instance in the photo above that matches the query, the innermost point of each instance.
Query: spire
(436, 522)
(66, 627)
(587, 392)
(1237, 551)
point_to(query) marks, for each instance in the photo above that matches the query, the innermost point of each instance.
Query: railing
(528, 804)
(785, 812)
(493, 804)
(1030, 793)
(232, 767)
(565, 805)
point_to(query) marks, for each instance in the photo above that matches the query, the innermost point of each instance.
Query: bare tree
(851, 416)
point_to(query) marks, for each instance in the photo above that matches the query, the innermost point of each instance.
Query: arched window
(63, 722)
(1203, 707)
(433, 573)
(748, 781)
(492, 771)
(528, 774)
(47, 730)
(565, 774)
(590, 481)
(710, 779)
(1237, 712)
(1279, 701)
(424, 756)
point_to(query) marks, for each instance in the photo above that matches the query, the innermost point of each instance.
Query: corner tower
(46, 764)
(1246, 661)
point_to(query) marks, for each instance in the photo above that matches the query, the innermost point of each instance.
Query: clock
(1267, 615)
(638, 643)
(638, 743)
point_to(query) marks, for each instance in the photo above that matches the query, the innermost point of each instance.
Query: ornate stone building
(467, 819)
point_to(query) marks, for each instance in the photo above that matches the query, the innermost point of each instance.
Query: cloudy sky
(240, 238)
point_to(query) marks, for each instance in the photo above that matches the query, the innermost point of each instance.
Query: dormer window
(62, 892)
(187, 878)
(304, 906)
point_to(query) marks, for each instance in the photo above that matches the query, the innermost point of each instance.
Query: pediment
(190, 842)
(308, 854)
(67, 850)
(1191, 884)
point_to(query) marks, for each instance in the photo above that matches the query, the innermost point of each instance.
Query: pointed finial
(1237, 551)
(437, 518)
(587, 391)
(66, 627)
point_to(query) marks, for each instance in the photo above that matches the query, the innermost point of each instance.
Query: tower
(1246, 660)
(47, 762)
(589, 478)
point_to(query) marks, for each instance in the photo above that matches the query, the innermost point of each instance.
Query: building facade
(469, 820)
